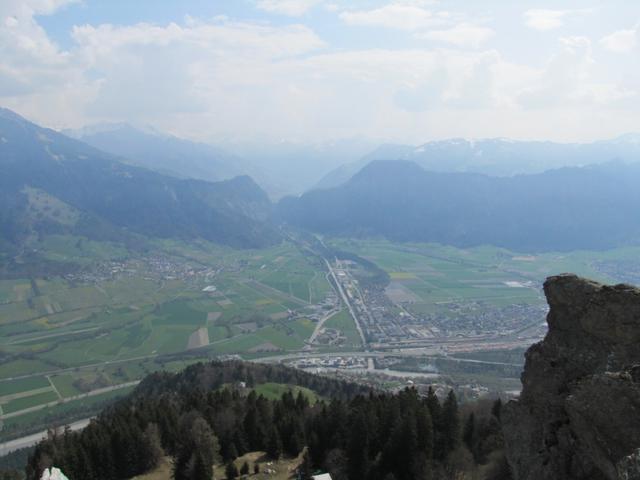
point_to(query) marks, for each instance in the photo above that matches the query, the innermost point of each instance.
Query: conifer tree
(231, 471)
(496, 409)
(468, 432)
(358, 447)
(450, 436)
(274, 444)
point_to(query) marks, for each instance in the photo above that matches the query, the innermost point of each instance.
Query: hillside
(54, 184)
(566, 209)
(494, 156)
(356, 434)
(163, 153)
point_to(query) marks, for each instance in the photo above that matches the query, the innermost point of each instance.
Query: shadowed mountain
(564, 209)
(53, 183)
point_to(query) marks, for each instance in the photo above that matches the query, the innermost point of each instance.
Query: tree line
(200, 418)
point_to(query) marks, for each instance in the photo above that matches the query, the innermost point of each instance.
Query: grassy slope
(283, 469)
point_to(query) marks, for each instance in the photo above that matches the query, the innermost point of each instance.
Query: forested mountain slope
(592, 207)
(52, 183)
(202, 416)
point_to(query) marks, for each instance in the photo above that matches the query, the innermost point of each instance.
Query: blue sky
(314, 70)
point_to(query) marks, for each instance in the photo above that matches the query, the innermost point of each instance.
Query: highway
(346, 301)
(30, 440)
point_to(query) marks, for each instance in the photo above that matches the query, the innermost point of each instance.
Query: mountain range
(53, 183)
(148, 148)
(280, 168)
(592, 207)
(495, 157)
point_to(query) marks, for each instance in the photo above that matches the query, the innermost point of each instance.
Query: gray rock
(578, 416)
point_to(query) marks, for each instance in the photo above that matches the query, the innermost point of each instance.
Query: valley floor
(71, 342)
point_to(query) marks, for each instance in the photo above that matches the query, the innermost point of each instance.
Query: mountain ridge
(494, 156)
(123, 197)
(161, 152)
(589, 207)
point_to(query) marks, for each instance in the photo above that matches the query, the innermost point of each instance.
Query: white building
(322, 476)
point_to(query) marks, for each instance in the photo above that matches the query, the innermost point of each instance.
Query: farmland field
(431, 278)
(127, 307)
(119, 314)
(344, 322)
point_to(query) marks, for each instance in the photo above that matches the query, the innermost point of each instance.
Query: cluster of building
(386, 322)
(345, 362)
(155, 267)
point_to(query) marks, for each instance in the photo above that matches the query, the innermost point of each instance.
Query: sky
(403, 71)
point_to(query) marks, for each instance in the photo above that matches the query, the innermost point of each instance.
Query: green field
(344, 322)
(134, 307)
(65, 385)
(109, 319)
(30, 401)
(58, 414)
(274, 391)
(434, 279)
(23, 385)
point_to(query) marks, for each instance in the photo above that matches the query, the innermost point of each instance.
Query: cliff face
(578, 416)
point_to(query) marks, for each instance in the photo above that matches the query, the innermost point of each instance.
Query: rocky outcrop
(578, 416)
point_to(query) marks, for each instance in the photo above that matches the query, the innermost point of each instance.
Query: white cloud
(400, 16)
(29, 60)
(462, 35)
(291, 8)
(161, 71)
(224, 78)
(412, 16)
(541, 19)
(622, 41)
(568, 79)
(216, 37)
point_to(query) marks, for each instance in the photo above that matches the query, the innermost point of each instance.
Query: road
(319, 325)
(412, 353)
(30, 440)
(92, 393)
(345, 299)
(83, 367)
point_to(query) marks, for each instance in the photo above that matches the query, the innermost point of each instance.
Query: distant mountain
(496, 156)
(563, 209)
(52, 183)
(163, 153)
(289, 168)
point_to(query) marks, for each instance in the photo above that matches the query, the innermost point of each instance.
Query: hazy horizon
(314, 71)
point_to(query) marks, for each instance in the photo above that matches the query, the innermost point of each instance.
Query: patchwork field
(118, 315)
(437, 280)
(62, 336)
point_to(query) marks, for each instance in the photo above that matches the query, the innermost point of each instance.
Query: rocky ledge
(578, 416)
